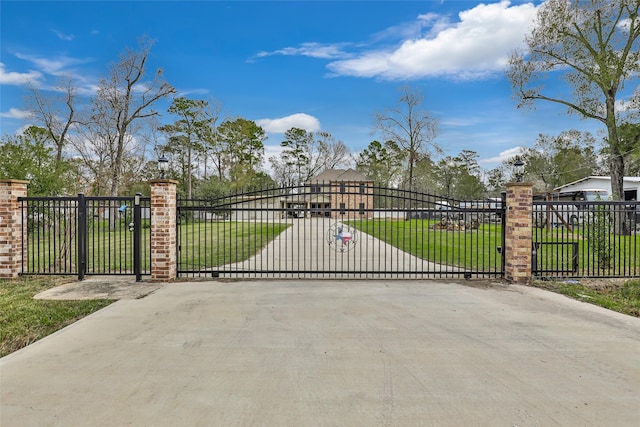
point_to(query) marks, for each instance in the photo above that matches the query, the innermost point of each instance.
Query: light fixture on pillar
(163, 166)
(518, 169)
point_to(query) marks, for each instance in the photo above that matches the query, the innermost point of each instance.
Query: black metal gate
(579, 238)
(339, 230)
(86, 235)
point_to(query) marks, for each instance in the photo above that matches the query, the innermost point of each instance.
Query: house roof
(340, 175)
(602, 178)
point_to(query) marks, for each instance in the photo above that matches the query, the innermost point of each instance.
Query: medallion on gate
(341, 237)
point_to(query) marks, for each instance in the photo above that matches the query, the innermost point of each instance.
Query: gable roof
(339, 175)
(627, 179)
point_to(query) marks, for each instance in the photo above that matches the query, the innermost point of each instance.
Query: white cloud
(283, 124)
(411, 30)
(313, 50)
(270, 151)
(15, 113)
(461, 121)
(476, 46)
(504, 155)
(59, 66)
(15, 78)
(627, 105)
(625, 24)
(62, 36)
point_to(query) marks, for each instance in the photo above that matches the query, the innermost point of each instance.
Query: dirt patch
(597, 284)
(99, 287)
(604, 284)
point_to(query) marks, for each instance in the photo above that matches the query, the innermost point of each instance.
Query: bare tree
(124, 101)
(96, 145)
(593, 45)
(327, 153)
(56, 114)
(306, 154)
(412, 129)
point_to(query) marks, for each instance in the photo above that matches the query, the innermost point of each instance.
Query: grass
(624, 252)
(211, 244)
(470, 249)
(24, 320)
(624, 298)
(477, 249)
(202, 245)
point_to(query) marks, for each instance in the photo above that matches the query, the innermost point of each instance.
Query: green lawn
(205, 245)
(624, 298)
(474, 250)
(477, 249)
(109, 248)
(622, 251)
(202, 245)
(24, 320)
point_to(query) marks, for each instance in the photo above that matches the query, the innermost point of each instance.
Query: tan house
(335, 193)
(340, 193)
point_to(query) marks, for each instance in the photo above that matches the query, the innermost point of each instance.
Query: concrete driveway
(328, 353)
(303, 251)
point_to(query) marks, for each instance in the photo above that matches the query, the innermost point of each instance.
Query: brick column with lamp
(518, 232)
(164, 262)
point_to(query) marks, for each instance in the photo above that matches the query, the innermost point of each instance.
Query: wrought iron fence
(339, 229)
(586, 239)
(49, 235)
(86, 235)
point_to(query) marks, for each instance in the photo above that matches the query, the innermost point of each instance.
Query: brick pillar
(518, 229)
(164, 262)
(11, 250)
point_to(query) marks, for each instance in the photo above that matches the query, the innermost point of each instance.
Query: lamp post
(163, 166)
(518, 167)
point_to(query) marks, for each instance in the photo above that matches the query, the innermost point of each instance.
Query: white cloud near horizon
(283, 124)
(503, 155)
(476, 46)
(17, 79)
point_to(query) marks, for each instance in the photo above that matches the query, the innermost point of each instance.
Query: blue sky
(325, 65)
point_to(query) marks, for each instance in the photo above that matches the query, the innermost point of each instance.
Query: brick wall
(11, 250)
(518, 230)
(352, 198)
(163, 230)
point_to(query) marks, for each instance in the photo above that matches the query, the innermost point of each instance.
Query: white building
(631, 186)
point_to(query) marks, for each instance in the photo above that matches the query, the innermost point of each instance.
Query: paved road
(329, 353)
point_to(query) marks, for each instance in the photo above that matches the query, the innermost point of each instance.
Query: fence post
(137, 237)
(164, 262)
(11, 242)
(519, 229)
(82, 236)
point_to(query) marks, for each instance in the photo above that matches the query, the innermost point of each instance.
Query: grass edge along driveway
(24, 320)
